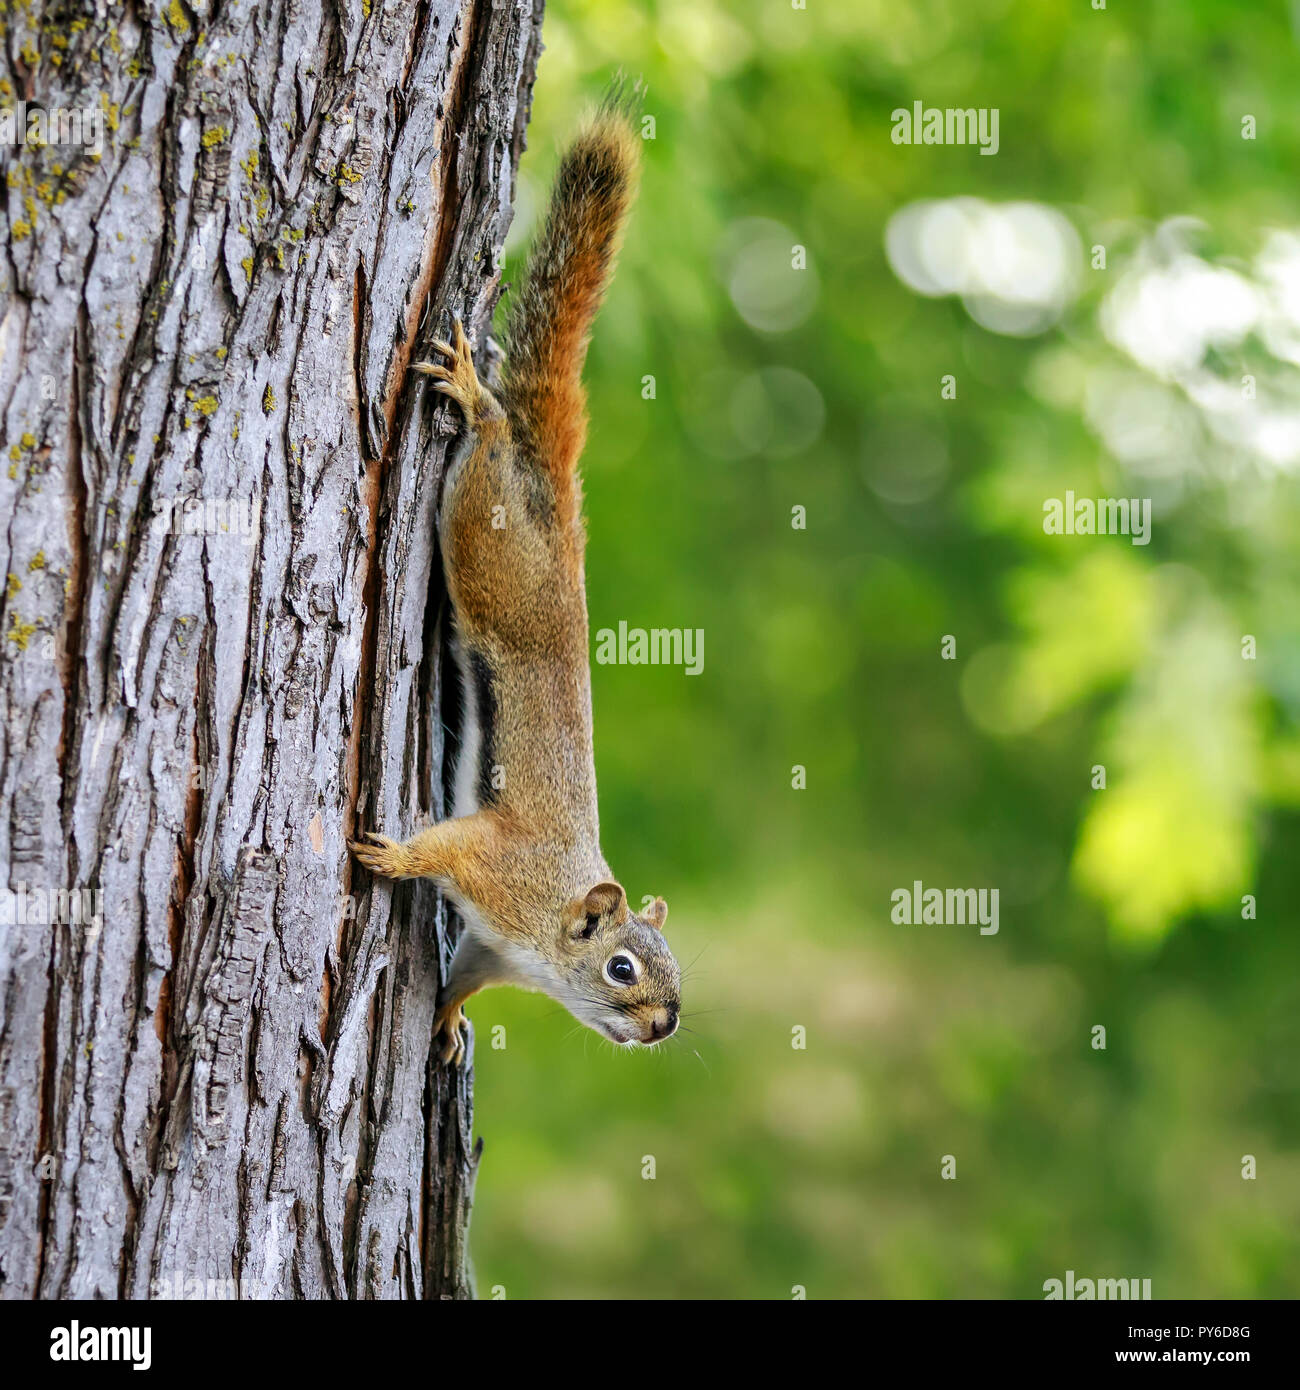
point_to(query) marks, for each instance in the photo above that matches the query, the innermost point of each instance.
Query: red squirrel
(521, 859)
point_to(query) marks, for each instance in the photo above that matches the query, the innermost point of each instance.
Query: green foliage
(778, 388)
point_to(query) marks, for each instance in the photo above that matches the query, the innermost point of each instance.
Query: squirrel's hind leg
(474, 966)
(460, 380)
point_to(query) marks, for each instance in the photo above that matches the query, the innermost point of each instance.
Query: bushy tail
(548, 322)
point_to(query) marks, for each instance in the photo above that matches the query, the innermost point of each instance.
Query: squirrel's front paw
(381, 855)
(448, 1033)
(460, 380)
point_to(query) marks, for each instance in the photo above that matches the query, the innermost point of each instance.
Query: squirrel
(521, 859)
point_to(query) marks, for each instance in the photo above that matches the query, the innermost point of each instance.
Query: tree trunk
(222, 636)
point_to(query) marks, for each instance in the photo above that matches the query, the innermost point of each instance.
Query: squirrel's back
(510, 523)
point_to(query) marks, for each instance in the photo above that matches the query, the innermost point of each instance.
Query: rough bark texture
(227, 1075)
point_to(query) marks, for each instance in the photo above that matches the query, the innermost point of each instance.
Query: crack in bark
(182, 882)
(439, 233)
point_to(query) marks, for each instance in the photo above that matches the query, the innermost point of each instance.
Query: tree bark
(222, 636)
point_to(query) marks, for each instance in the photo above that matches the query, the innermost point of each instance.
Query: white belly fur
(465, 785)
(465, 789)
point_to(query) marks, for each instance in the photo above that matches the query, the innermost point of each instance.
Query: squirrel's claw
(383, 856)
(450, 1025)
(458, 379)
(445, 349)
(434, 369)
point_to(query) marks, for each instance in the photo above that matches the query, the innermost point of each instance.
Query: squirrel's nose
(664, 1023)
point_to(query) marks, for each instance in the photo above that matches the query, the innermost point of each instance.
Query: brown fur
(548, 325)
(541, 904)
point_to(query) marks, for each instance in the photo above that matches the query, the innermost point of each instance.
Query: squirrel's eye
(619, 970)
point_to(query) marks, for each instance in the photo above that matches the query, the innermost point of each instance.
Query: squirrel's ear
(603, 898)
(657, 914)
(601, 901)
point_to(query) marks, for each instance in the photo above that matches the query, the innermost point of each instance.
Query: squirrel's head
(625, 982)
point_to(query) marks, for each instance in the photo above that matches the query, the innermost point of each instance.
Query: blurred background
(1165, 367)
